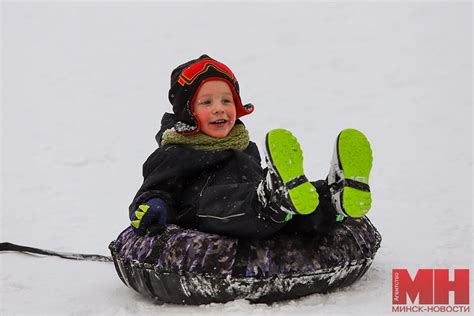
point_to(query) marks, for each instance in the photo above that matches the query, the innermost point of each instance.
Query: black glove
(150, 216)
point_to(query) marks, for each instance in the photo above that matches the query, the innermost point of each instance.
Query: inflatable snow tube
(184, 266)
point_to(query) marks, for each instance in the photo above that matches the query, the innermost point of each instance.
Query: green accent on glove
(142, 209)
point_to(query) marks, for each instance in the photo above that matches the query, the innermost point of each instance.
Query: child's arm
(165, 173)
(161, 180)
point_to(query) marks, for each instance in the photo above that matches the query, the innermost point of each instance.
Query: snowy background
(84, 87)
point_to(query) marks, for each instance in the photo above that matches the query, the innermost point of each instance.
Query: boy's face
(215, 108)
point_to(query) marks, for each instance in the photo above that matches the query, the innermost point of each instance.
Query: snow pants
(234, 210)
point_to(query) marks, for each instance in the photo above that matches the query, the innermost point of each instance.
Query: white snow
(84, 86)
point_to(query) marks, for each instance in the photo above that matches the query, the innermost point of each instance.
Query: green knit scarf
(238, 138)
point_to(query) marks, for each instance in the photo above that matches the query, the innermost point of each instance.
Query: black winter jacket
(209, 191)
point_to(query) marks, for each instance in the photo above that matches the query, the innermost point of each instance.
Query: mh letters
(431, 286)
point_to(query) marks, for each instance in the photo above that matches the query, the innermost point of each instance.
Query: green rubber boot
(286, 187)
(348, 177)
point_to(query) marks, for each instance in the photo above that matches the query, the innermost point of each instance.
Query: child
(206, 173)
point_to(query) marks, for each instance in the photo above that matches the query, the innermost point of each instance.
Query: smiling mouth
(219, 122)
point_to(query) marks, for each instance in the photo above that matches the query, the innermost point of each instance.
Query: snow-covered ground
(84, 87)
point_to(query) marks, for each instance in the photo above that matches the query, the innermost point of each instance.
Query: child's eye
(205, 102)
(227, 101)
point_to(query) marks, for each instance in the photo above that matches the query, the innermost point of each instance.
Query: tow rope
(6, 246)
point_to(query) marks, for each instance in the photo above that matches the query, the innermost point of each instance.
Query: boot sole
(355, 161)
(286, 160)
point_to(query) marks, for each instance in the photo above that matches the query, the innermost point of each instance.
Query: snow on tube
(184, 266)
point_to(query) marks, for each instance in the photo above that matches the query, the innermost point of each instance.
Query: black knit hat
(186, 80)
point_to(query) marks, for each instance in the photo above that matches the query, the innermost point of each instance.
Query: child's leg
(321, 220)
(348, 176)
(234, 210)
(345, 192)
(285, 191)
